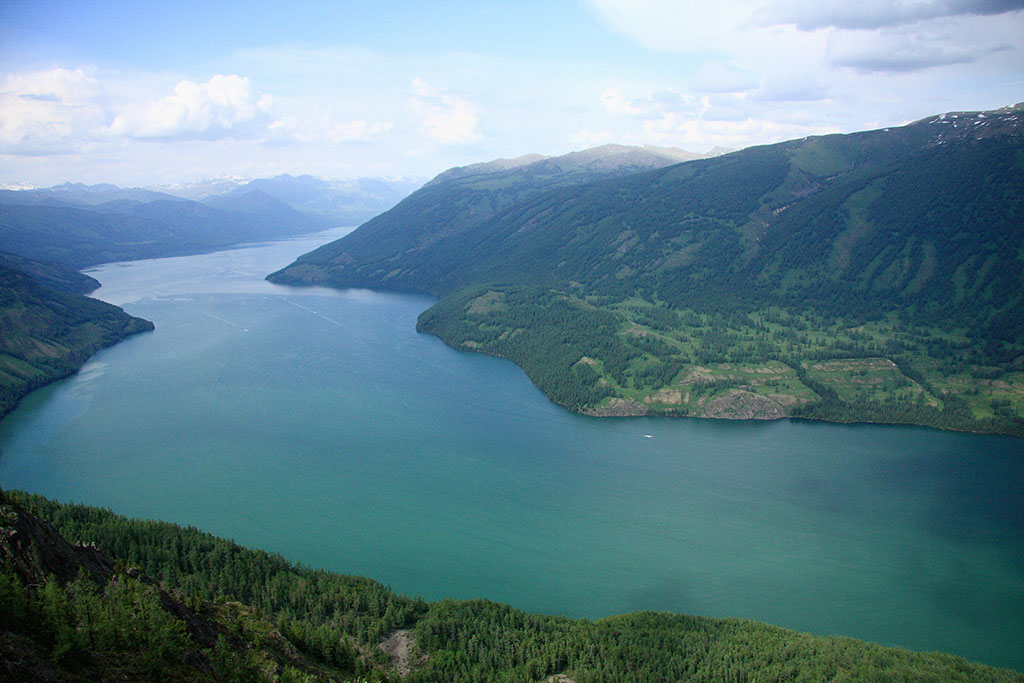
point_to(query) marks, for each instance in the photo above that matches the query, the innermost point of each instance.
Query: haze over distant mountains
(345, 202)
(49, 329)
(84, 225)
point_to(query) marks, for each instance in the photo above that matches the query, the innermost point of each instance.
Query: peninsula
(870, 277)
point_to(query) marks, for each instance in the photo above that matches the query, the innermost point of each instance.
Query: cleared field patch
(872, 379)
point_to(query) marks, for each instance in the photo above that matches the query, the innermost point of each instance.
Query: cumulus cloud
(810, 15)
(62, 111)
(45, 112)
(448, 119)
(224, 106)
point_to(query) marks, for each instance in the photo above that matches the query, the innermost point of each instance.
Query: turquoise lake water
(321, 425)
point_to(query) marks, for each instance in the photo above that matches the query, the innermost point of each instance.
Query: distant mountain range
(895, 255)
(47, 331)
(84, 225)
(341, 202)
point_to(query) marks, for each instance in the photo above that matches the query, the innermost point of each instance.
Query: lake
(321, 425)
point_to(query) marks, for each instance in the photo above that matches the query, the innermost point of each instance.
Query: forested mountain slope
(875, 276)
(47, 334)
(52, 274)
(137, 600)
(452, 209)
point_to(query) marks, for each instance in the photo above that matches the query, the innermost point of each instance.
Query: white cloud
(224, 106)
(670, 99)
(800, 67)
(702, 133)
(676, 118)
(446, 118)
(780, 36)
(591, 138)
(326, 128)
(890, 50)
(67, 111)
(45, 112)
(616, 104)
(809, 15)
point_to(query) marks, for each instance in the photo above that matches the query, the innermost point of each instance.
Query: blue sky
(148, 93)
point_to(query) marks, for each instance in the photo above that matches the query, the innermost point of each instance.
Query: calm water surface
(320, 425)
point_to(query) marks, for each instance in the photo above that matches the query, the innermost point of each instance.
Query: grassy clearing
(636, 356)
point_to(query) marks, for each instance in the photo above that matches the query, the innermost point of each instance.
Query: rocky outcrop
(738, 404)
(36, 550)
(403, 654)
(618, 407)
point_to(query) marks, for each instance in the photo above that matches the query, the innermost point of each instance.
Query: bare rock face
(666, 395)
(403, 652)
(35, 549)
(744, 405)
(619, 407)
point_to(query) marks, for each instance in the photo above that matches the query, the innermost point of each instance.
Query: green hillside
(52, 274)
(432, 225)
(46, 335)
(124, 599)
(875, 276)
